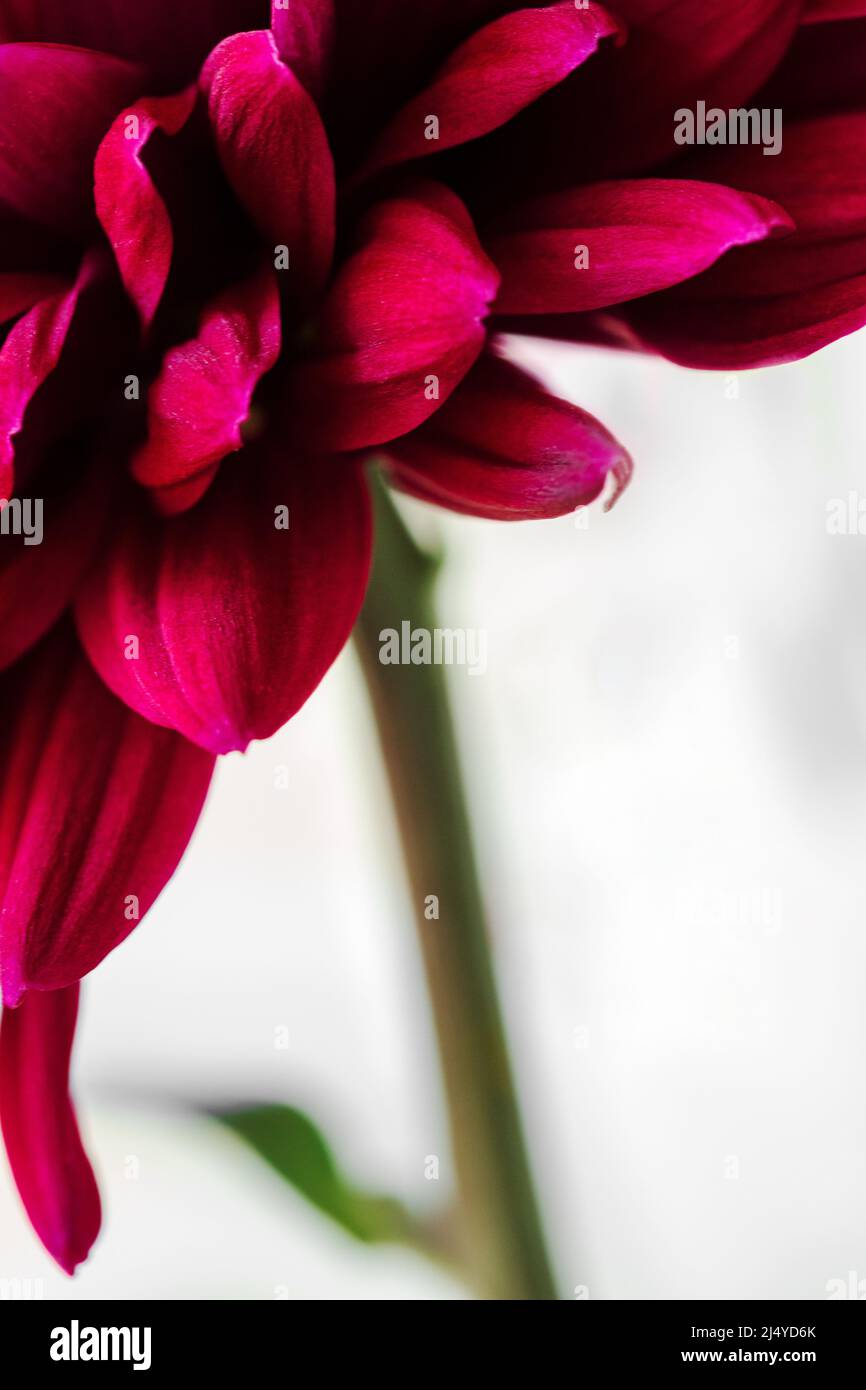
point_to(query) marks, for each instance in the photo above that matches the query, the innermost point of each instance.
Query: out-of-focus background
(667, 767)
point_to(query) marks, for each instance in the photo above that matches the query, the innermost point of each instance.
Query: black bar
(251, 1337)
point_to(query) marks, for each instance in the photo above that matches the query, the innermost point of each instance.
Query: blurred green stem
(497, 1227)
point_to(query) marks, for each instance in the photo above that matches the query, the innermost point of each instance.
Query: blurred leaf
(292, 1145)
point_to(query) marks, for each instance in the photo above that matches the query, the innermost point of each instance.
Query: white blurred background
(667, 766)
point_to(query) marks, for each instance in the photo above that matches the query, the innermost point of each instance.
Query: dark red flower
(242, 253)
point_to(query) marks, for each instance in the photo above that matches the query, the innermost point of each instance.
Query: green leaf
(292, 1145)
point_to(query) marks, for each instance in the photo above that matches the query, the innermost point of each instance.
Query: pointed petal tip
(69, 1258)
(504, 448)
(70, 1248)
(224, 740)
(49, 1164)
(621, 473)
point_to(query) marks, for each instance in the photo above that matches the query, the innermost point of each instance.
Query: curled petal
(133, 215)
(501, 69)
(239, 605)
(503, 448)
(48, 1161)
(30, 353)
(402, 325)
(304, 35)
(202, 397)
(55, 106)
(274, 150)
(605, 243)
(96, 808)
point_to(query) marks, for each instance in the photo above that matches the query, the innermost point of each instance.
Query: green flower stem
(497, 1226)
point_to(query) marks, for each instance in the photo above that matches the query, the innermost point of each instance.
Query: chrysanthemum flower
(243, 252)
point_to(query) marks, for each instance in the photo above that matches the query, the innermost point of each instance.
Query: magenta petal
(135, 219)
(275, 153)
(733, 335)
(30, 353)
(202, 397)
(96, 808)
(240, 605)
(501, 69)
(387, 50)
(501, 447)
(402, 325)
(609, 242)
(55, 106)
(174, 498)
(304, 35)
(48, 1161)
(777, 301)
